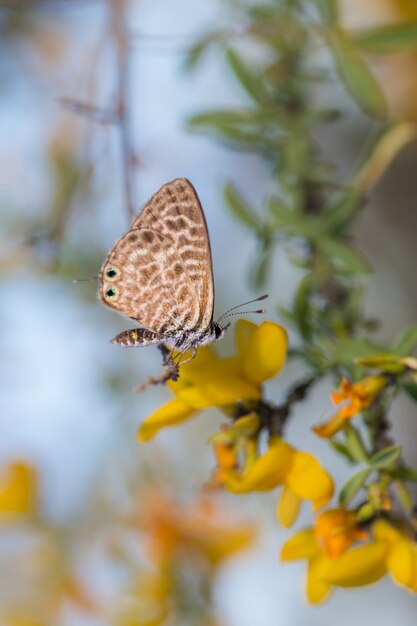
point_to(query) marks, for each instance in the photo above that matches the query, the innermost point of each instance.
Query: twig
(118, 24)
(273, 418)
(92, 113)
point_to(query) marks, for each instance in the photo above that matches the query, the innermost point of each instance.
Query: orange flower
(358, 397)
(201, 530)
(336, 530)
(330, 560)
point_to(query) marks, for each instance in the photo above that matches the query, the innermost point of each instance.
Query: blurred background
(70, 169)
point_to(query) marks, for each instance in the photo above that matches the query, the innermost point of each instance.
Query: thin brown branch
(90, 112)
(117, 12)
(274, 418)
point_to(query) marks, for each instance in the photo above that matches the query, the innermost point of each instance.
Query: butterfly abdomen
(136, 337)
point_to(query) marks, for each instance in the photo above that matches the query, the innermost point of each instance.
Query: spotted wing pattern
(177, 210)
(159, 273)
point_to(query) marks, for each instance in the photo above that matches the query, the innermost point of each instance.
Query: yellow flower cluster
(331, 562)
(338, 549)
(213, 381)
(209, 380)
(299, 473)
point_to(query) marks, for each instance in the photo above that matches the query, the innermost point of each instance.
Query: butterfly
(160, 274)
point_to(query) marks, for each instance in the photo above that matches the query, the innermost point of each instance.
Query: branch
(117, 11)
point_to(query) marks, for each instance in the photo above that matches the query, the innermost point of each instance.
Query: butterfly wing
(160, 273)
(176, 212)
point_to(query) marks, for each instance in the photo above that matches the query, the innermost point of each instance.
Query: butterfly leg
(135, 338)
(166, 354)
(189, 358)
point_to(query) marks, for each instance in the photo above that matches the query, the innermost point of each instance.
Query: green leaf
(386, 457)
(329, 10)
(222, 117)
(388, 363)
(284, 218)
(407, 342)
(249, 80)
(365, 512)
(357, 77)
(195, 53)
(355, 445)
(388, 39)
(411, 389)
(347, 352)
(260, 269)
(339, 215)
(341, 449)
(301, 306)
(405, 473)
(240, 208)
(352, 486)
(347, 260)
(404, 496)
(382, 150)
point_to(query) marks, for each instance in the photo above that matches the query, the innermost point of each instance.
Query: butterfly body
(160, 274)
(177, 340)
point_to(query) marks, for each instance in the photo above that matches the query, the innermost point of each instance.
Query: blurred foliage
(161, 557)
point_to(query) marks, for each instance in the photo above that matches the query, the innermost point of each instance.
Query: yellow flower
(358, 397)
(401, 554)
(17, 489)
(330, 563)
(209, 380)
(299, 473)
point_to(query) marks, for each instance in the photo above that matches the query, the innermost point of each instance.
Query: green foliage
(240, 208)
(356, 76)
(353, 486)
(388, 39)
(250, 80)
(329, 10)
(355, 445)
(383, 459)
(407, 343)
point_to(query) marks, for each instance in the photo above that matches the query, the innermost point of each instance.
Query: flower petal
(219, 392)
(18, 489)
(288, 507)
(302, 545)
(317, 588)
(267, 472)
(265, 353)
(206, 370)
(309, 480)
(402, 563)
(243, 333)
(332, 426)
(169, 414)
(361, 566)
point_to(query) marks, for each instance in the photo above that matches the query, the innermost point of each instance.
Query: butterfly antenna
(85, 280)
(244, 313)
(228, 313)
